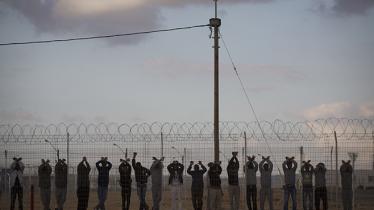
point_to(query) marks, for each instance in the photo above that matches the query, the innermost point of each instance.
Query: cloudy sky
(298, 59)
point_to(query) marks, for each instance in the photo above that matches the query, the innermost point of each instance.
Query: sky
(298, 59)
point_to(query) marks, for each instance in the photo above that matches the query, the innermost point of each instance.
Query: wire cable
(101, 36)
(248, 99)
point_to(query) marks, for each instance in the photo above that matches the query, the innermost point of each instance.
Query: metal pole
(184, 160)
(67, 150)
(245, 153)
(6, 158)
(162, 145)
(216, 23)
(336, 170)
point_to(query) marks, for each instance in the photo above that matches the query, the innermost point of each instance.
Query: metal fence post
(162, 145)
(336, 171)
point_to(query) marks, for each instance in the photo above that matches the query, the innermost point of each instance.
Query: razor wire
(276, 130)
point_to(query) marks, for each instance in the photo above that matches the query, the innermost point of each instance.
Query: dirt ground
(364, 201)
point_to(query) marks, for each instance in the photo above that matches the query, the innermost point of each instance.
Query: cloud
(94, 17)
(367, 110)
(340, 109)
(18, 116)
(345, 7)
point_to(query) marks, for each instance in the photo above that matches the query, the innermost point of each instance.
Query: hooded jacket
(250, 172)
(266, 174)
(16, 173)
(44, 173)
(61, 174)
(176, 172)
(83, 179)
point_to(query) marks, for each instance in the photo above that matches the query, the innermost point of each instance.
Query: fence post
(32, 197)
(162, 145)
(336, 171)
(67, 150)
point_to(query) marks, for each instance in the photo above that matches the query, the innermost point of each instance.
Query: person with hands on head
(61, 182)
(103, 166)
(289, 170)
(125, 182)
(176, 181)
(307, 171)
(250, 169)
(320, 192)
(233, 179)
(44, 174)
(83, 184)
(156, 175)
(141, 178)
(215, 190)
(16, 183)
(346, 171)
(266, 168)
(197, 186)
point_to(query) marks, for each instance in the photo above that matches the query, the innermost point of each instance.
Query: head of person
(138, 164)
(196, 167)
(210, 164)
(266, 166)
(320, 166)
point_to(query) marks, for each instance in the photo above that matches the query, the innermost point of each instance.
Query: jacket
(156, 172)
(320, 176)
(44, 173)
(214, 176)
(232, 171)
(289, 174)
(266, 174)
(103, 168)
(16, 173)
(125, 174)
(141, 173)
(250, 173)
(83, 178)
(61, 174)
(176, 172)
(346, 171)
(307, 175)
(197, 177)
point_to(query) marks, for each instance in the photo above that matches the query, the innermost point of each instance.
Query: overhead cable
(101, 36)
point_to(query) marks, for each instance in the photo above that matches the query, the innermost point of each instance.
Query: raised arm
(294, 165)
(270, 165)
(262, 165)
(189, 169)
(256, 165)
(203, 167)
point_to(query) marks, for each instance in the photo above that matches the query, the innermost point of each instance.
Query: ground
(365, 201)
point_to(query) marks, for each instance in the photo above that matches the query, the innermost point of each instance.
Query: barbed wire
(276, 130)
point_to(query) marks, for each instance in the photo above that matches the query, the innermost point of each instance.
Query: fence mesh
(185, 142)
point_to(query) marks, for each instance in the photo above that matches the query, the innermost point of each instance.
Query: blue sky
(298, 59)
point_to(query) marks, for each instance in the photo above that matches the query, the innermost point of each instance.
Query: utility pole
(215, 23)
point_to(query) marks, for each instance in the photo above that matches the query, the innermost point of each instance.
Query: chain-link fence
(185, 142)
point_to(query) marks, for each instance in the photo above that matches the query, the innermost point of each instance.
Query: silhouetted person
(44, 174)
(250, 169)
(197, 186)
(103, 167)
(346, 171)
(233, 178)
(16, 182)
(307, 172)
(125, 180)
(141, 178)
(61, 182)
(156, 173)
(289, 170)
(320, 192)
(266, 168)
(176, 181)
(83, 184)
(215, 196)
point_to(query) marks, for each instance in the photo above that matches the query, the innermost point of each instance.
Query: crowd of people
(318, 192)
